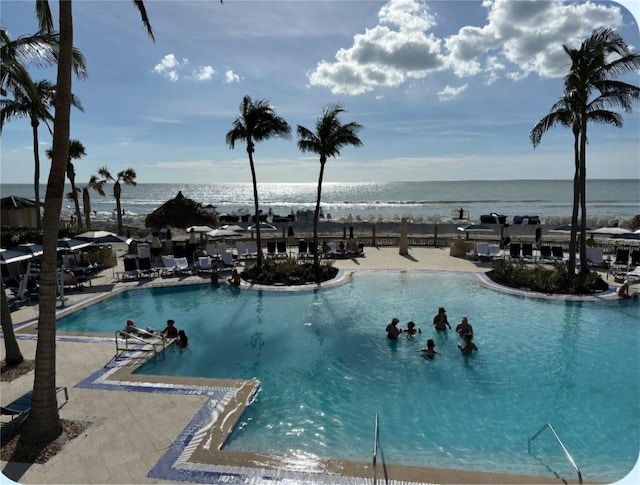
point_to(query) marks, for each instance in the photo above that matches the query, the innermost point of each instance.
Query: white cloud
(204, 73)
(231, 77)
(449, 92)
(520, 38)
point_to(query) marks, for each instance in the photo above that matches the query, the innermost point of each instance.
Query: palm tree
(128, 177)
(43, 423)
(592, 81)
(258, 121)
(564, 113)
(97, 185)
(13, 355)
(76, 152)
(330, 136)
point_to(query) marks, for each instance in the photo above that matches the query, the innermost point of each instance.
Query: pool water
(326, 368)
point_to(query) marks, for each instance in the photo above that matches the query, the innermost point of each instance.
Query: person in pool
(392, 329)
(170, 331)
(235, 279)
(411, 330)
(183, 340)
(464, 327)
(469, 346)
(429, 352)
(623, 292)
(440, 321)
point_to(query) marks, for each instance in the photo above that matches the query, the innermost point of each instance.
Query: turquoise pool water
(326, 368)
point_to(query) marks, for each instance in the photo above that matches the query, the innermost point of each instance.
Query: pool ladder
(128, 343)
(375, 448)
(564, 448)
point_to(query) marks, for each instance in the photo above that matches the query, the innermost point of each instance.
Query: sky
(444, 90)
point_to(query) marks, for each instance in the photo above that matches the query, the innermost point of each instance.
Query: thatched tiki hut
(179, 212)
(18, 211)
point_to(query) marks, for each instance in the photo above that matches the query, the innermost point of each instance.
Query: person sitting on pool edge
(411, 330)
(623, 291)
(469, 346)
(170, 331)
(392, 330)
(464, 327)
(183, 340)
(235, 278)
(440, 321)
(429, 352)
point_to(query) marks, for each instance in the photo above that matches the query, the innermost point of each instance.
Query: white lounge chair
(252, 249)
(227, 259)
(169, 265)
(204, 264)
(182, 265)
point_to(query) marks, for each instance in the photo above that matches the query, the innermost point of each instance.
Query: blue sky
(445, 90)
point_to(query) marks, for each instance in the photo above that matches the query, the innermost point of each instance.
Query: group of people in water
(170, 332)
(440, 324)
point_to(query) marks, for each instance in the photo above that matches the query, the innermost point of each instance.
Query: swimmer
(469, 346)
(429, 352)
(392, 329)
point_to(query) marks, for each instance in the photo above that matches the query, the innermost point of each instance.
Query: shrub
(288, 272)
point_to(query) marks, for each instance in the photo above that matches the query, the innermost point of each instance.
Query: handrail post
(375, 448)
(564, 448)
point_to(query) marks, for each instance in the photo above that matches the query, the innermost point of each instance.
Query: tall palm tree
(258, 121)
(76, 152)
(595, 66)
(43, 423)
(13, 356)
(98, 185)
(564, 113)
(330, 136)
(128, 177)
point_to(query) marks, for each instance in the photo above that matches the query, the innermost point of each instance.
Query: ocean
(608, 201)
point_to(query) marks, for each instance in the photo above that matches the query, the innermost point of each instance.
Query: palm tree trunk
(256, 207)
(36, 173)
(584, 262)
(117, 192)
(86, 205)
(43, 423)
(74, 191)
(571, 269)
(316, 218)
(11, 348)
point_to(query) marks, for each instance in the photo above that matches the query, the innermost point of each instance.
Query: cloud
(231, 77)
(450, 92)
(171, 68)
(519, 38)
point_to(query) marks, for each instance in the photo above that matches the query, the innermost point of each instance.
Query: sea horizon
(609, 201)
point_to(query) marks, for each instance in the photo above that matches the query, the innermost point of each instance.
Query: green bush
(288, 272)
(545, 279)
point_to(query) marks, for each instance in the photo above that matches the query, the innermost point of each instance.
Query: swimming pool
(326, 368)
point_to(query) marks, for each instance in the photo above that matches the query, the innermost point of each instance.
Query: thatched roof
(14, 202)
(179, 212)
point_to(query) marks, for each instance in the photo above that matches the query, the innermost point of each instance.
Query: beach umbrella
(565, 229)
(11, 256)
(222, 233)
(102, 237)
(29, 248)
(476, 228)
(628, 236)
(70, 244)
(233, 227)
(199, 229)
(610, 231)
(264, 226)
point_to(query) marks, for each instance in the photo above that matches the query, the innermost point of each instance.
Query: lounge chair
(19, 409)
(303, 247)
(482, 250)
(241, 250)
(227, 259)
(514, 250)
(281, 247)
(169, 265)
(145, 269)
(204, 264)
(621, 262)
(182, 265)
(20, 295)
(130, 270)
(212, 250)
(252, 249)
(271, 249)
(557, 253)
(545, 253)
(527, 251)
(595, 257)
(635, 258)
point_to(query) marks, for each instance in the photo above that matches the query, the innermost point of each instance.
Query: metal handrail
(157, 340)
(375, 447)
(564, 448)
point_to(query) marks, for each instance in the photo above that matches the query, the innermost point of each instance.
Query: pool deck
(153, 429)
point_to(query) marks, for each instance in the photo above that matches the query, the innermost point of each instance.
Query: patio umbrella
(629, 236)
(222, 233)
(233, 227)
(199, 229)
(102, 237)
(70, 244)
(476, 228)
(610, 231)
(11, 256)
(264, 226)
(566, 229)
(29, 248)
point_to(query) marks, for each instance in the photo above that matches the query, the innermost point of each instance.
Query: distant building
(18, 211)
